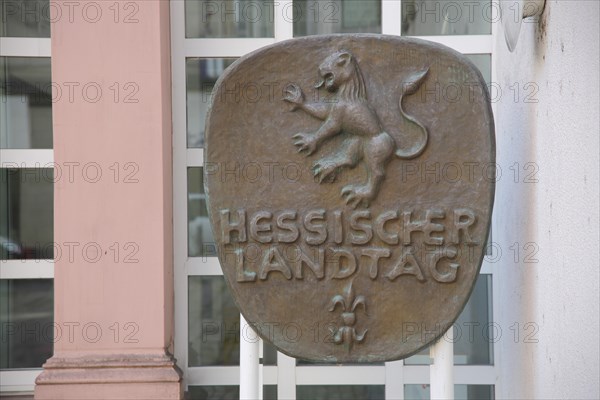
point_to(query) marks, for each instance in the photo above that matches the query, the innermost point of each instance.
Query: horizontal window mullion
(25, 47)
(203, 266)
(195, 157)
(340, 375)
(391, 22)
(26, 158)
(223, 48)
(213, 376)
(225, 376)
(18, 380)
(463, 375)
(466, 44)
(27, 269)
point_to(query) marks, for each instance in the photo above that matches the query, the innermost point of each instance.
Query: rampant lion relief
(350, 112)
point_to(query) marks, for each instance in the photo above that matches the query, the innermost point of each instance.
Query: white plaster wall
(559, 294)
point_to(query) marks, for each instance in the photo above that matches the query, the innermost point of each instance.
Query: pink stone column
(113, 285)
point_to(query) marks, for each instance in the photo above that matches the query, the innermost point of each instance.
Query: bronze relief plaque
(350, 181)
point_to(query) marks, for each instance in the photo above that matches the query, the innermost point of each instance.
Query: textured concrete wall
(557, 217)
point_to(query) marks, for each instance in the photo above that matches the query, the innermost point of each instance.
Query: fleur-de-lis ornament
(349, 302)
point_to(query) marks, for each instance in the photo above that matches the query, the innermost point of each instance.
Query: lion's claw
(355, 196)
(305, 142)
(293, 94)
(325, 171)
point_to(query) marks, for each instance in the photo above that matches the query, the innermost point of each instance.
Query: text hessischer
(336, 244)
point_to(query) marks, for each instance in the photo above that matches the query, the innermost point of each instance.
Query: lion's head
(340, 73)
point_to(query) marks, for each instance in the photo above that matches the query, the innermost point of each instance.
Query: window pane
(228, 18)
(200, 237)
(461, 392)
(26, 18)
(213, 323)
(26, 213)
(213, 392)
(448, 17)
(316, 17)
(226, 392)
(25, 103)
(269, 354)
(26, 322)
(339, 392)
(201, 75)
(300, 362)
(484, 63)
(474, 331)
(269, 392)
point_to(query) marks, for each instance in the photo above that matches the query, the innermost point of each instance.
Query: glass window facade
(228, 18)
(25, 103)
(200, 236)
(26, 18)
(319, 17)
(201, 76)
(340, 392)
(448, 17)
(26, 213)
(27, 331)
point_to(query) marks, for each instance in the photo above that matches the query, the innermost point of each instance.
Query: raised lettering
(463, 219)
(227, 227)
(349, 268)
(431, 227)
(409, 226)
(373, 255)
(256, 227)
(273, 261)
(318, 231)
(242, 274)
(407, 265)
(380, 221)
(292, 230)
(315, 263)
(365, 231)
(433, 260)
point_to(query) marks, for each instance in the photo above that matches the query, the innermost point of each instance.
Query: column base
(115, 376)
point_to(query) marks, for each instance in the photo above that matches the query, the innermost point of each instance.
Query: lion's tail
(411, 85)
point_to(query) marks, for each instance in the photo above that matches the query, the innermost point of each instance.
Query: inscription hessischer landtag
(350, 181)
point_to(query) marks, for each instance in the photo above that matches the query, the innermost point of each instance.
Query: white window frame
(23, 380)
(286, 375)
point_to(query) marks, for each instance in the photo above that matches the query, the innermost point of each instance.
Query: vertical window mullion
(391, 17)
(283, 20)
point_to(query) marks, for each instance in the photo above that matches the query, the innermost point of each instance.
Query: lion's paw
(357, 195)
(325, 171)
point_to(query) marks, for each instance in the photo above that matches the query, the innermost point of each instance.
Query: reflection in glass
(201, 75)
(229, 18)
(474, 331)
(461, 392)
(200, 237)
(226, 392)
(316, 17)
(340, 392)
(26, 213)
(213, 323)
(26, 18)
(25, 103)
(213, 392)
(26, 319)
(447, 17)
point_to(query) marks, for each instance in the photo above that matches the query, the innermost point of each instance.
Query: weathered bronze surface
(350, 181)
